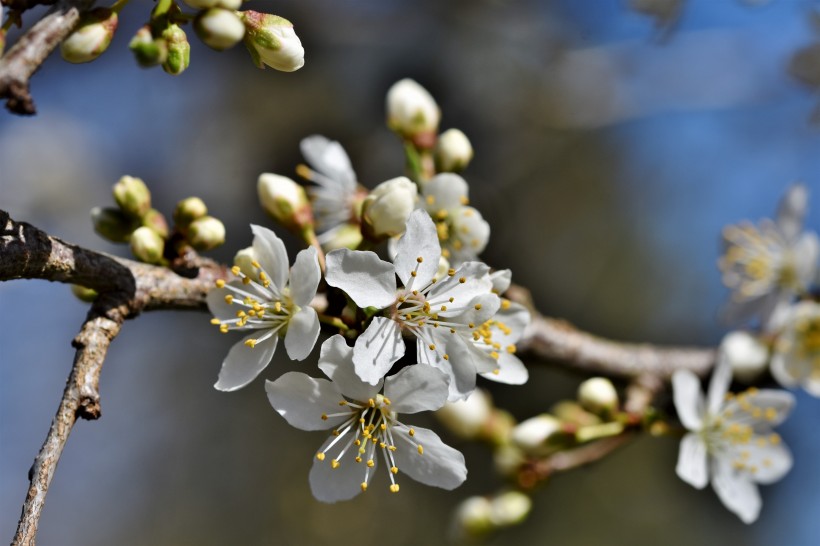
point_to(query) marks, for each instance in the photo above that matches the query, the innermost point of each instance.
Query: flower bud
(82, 293)
(147, 50)
(132, 196)
(206, 233)
(572, 412)
(179, 50)
(112, 224)
(91, 37)
(244, 259)
(188, 210)
(219, 28)
(386, 210)
(147, 246)
(344, 236)
(271, 41)
(507, 459)
(412, 112)
(598, 395)
(453, 151)
(535, 432)
(473, 518)
(510, 508)
(155, 220)
(746, 353)
(285, 200)
(467, 417)
(205, 4)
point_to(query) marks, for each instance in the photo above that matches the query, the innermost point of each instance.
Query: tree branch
(30, 51)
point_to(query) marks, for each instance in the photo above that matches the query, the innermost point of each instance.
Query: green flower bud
(112, 224)
(133, 196)
(573, 413)
(155, 220)
(147, 246)
(206, 233)
(219, 28)
(179, 50)
(453, 151)
(91, 37)
(598, 395)
(189, 210)
(205, 4)
(82, 293)
(510, 508)
(285, 200)
(271, 41)
(148, 50)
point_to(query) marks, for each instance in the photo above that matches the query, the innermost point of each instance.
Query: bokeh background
(608, 157)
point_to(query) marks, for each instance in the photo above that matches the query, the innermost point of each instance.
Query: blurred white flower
(747, 355)
(453, 151)
(269, 305)
(366, 422)
(796, 358)
(730, 442)
(467, 417)
(412, 111)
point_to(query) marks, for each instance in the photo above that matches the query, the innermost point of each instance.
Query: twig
(581, 456)
(30, 51)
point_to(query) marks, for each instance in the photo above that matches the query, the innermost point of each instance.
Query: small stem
(309, 235)
(413, 161)
(336, 322)
(118, 5)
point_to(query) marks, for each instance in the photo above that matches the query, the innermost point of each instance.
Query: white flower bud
(91, 37)
(467, 417)
(271, 41)
(510, 508)
(284, 199)
(343, 236)
(188, 210)
(244, 259)
(206, 4)
(411, 110)
(598, 395)
(532, 434)
(388, 207)
(132, 196)
(747, 355)
(219, 28)
(472, 517)
(146, 245)
(453, 151)
(206, 233)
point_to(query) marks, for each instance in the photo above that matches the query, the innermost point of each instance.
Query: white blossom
(411, 110)
(462, 231)
(365, 422)
(796, 359)
(442, 315)
(453, 151)
(730, 442)
(387, 208)
(746, 353)
(268, 305)
(768, 264)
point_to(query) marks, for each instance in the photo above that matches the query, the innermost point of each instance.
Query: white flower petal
(448, 192)
(785, 370)
(480, 309)
(271, 254)
(303, 330)
(368, 281)
(501, 280)
(440, 465)
(416, 388)
(806, 252)
(688, 399)
(330, 484)
(459, 366)
(473, 231)
(719, 384)
(302, 400)
(737, 492)
(511, 370)
(692, 461)
(336, 360)
(244, 363)
(304, 277)
(329, 158)
(377, 349)
(791, 211)
(769, 460)
(217, 305)
(420, 240)
(763, 409)
(476, 282)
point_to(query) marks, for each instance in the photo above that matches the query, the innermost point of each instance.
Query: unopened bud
(507, 459)
(536, 432)
(472, 518)
(344, 236)
(386, 210)
(285, 200)
(82, 293)
(188, 210)
(91, 37)
(244, 260)
(133, 196)
(271, 41)
(148, 50)
(155, 220)
(453, 151)
(147, 246)
(467, 417)
(598, 395)
(572, 412)
(510, 508)
(205, 4)
(412, 112)
(747, 355)
(219, 28)
(206, 233)
(112, 224)
(179, 50)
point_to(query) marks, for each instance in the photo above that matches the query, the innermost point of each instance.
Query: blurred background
(610, 152)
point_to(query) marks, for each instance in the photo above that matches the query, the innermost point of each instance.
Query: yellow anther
(464, 200)
(335, 432)
(371, 463)
(771, 414)
(304, 171)
(357, 442)
(215, 321)
(386, 400)
(394, 488)
(277, 306)
(478, 307)
(371, 403)
(421, 450)
(452, 300)
(494, 355)
(419, 259)
(432, 347)
(252, 343)
(229, 299)
(457, 244)
(320, 456)
(252, 312)
(361, 452)
(235, 270)
(505, 304)
(364, 486)
(445, 253)
(334, 464)
(496, 371)
(446, 357)
(451, 272)
(262, 276)
(382, 445)
(358, 459)
(220, 283)
(343, 403)
(394, 469)
(452, 330)
(412, 432)
(441, 214)
(240, 314)
(462, 280)
(415, 292)
(246, 280)
(511, 349)
(413, 273)
(383, 426)
(471, 325)
(391, 448)
(324, 415)
(223, 328)
(774, 439)
(431, 199)
(402, 299)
